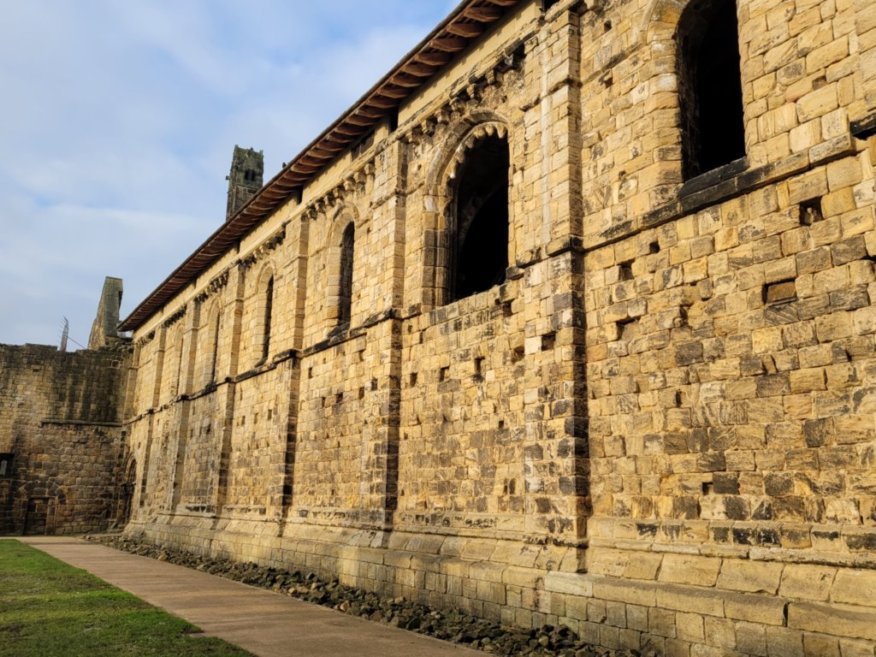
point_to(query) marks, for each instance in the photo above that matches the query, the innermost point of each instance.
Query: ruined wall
(60, 421)
(657, 429)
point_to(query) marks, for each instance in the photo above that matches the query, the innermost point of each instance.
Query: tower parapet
(244, 179)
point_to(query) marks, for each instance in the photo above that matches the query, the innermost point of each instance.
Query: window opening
(480, 253)
(345, 293)
(214, 361)
(710, 86)
(269, 303)
(179, 366)
(5, 465)
(810, 212)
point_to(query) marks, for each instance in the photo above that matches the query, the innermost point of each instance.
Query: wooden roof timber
(419, 70)
(449, 43)
(433, 58)
(464, 24)
(483, 14)
(466, 30)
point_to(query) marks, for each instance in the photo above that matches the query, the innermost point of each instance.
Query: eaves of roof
(467, 22)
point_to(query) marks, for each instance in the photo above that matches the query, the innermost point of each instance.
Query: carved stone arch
(456, 137)
(660, 21)
(446, 222)
(266, 272)
(341, 217)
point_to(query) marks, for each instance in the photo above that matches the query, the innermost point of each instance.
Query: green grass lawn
(50, 609)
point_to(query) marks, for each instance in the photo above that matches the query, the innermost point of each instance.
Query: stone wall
(60, 420)
(658, 429)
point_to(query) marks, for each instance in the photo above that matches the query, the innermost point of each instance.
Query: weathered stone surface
(667, 378)
(853, 622)
(63, 453)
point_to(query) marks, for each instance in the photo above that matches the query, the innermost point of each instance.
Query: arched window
(345, 289)
(269, 307)
(479, 225)
(710, 86)
(214, 355)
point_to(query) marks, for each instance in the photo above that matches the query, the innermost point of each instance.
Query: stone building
(569, 320)
(62, 444)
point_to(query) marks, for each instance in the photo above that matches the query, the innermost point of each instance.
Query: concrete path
(265, 623)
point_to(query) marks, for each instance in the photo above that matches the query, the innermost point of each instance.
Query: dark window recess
(480, 254)
(779, 292)
(215, 357)
(345, 293)
(5, 465)
(363, 144)
(810, 212)
(627, 329)
(269, 308)
(548, 341)
(710, 86)
(479, 368)
(625, 271)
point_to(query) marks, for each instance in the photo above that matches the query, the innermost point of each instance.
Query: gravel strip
(449, 625)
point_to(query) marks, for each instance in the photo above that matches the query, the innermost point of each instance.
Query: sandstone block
(784, 642)
(751, 639)
(807, 582)
(819, 645)
(856, 587)
(754, 608)
(750, 576)
(690, 599)
(689, 627)
(689, 569)
(620, 591)
(836, 620)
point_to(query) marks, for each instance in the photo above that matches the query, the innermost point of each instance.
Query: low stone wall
(674, 604)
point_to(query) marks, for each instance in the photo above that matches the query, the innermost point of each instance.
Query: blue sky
(118, 119)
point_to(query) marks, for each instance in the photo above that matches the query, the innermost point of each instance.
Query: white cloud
(119, 119)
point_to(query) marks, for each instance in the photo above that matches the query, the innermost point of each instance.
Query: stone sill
(725, 183)
(78, 423)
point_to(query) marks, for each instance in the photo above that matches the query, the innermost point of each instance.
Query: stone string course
(659, 431)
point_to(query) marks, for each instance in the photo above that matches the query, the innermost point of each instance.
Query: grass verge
(50, 609)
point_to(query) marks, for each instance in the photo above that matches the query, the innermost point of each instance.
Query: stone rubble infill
(448, 625)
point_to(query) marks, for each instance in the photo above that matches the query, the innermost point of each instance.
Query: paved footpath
(265, 623)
